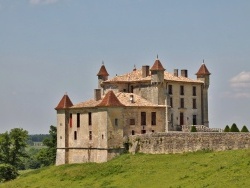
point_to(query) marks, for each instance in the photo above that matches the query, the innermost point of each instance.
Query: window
(116, 122)
(132, 122)
(90, 118)
(143, 118)
(194, 120)
(70, 120)
(75, 135)
(78, 119)
(182, 103)
(153, 118)
(132, 89)
(170, 89)
(194, 90)
(194, 104)
(153, 131)
(171, 102)
(143, 131)
(181, 90)
(133, 132)
(90, 135)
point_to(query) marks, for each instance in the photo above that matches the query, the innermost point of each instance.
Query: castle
(142, 101)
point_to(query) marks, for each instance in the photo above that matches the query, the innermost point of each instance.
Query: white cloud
(240, 85)
(36, 2)
(241, 80)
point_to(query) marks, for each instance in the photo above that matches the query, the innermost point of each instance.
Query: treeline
(36, 138)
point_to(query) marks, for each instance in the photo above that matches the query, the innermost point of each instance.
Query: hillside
(200, 169)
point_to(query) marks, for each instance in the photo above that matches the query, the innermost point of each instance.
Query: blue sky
(49, 47)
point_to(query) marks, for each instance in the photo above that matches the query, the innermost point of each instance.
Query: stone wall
(164, 143)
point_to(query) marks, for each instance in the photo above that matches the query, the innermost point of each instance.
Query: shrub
(227, 129)
(7, 172)
(234, 128)
(193, 129)
(244, 129)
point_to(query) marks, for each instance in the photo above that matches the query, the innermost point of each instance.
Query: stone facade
(166, 143)
(148, 100)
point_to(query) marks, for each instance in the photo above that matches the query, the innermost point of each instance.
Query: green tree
(12, 147)
(244, 129)
(193, 129)
(47, 156)
(7, 172)
(227, 129)
(234, 128)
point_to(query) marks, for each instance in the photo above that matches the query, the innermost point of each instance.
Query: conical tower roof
(110, 100)
(64, 103)
(203, 70)
(103, 71)
(157, 66)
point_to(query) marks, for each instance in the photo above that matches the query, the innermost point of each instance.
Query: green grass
(200, 169)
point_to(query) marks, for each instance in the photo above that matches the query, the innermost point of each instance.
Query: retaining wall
(164, 143)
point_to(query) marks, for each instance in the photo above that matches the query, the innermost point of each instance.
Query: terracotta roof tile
(87, 104)
(157, 66)
(64, 103)
(137, 100)
(103, 71)
(136, 76)
(110, 100)
(203, 70)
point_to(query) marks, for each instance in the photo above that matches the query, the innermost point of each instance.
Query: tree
(12, 146)
(7, 172)
(193, 129)
(244, 129)
(234, 128)
(47, 156)
(227, 129)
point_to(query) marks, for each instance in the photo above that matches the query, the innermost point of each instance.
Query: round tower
(157, 80)
(204, 75)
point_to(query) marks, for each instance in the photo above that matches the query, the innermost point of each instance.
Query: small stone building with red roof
(143, 101)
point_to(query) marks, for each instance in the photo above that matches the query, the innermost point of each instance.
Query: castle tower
(63, 123)
(102, 75)
(204, 75)
(157, 80)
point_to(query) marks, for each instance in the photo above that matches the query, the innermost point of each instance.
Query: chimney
(145, 71)
(184, 73)
(97, 94)
(131, 98)
(176, 72)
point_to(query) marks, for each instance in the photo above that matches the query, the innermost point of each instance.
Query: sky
(49, 47)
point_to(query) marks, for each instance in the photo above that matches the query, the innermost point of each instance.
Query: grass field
(199, 169)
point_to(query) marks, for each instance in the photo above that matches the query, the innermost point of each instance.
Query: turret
(204, 75)
(102, 75)
(157, 80)
(157, 72)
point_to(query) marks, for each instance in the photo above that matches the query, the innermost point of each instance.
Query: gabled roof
(103, 71)
(203, 70)
(157, 66)
(110, 100)
(64, 103)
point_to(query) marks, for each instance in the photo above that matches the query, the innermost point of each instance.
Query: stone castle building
(142, 101)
